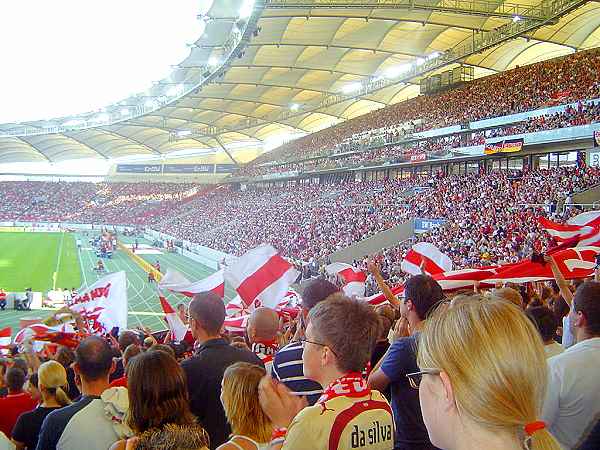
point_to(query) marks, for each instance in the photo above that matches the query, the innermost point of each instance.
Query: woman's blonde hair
(240, 400)
(495, 360)
(52, 377)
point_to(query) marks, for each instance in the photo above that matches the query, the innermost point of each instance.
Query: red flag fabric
(563, 232)
(573, 263)
(5, 337)
(261, 274)
(428, 255)
(236, 324)
(176, 282)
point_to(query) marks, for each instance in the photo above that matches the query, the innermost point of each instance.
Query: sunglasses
(304, 341)
(414, 379)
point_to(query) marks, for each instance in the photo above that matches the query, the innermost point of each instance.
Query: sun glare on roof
(64, 57)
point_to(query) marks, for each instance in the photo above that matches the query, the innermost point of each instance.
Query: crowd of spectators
(434, 370)
(364, 154)
(562, 80)
(83, 202)
(490, 217)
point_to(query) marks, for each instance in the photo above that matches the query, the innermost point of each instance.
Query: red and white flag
(589, 218)
(175, 282)
(353, 278)
(464, 278)
(5, 338)
(573, 263)
(563, 232)
(103, 305)
(236, 324)
(261, 274)
(426, 255)
(176, 325)
(39, 333)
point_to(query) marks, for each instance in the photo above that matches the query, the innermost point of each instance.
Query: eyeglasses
(304, 341)
(414, 379)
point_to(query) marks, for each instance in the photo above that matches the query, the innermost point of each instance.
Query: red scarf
(350, 385)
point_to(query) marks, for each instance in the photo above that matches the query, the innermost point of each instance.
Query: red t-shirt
(119, 382)
(12, 406)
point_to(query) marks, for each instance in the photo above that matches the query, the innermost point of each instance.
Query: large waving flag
(103, 305)
(261, 274)
(176, 325)
(175, 282)
(426, 255)
(353, 278)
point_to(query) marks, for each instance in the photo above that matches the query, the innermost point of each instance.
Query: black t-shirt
(27, 428)
(204, 372)
(401, 359)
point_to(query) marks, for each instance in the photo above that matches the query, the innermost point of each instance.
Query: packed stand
(583, 114)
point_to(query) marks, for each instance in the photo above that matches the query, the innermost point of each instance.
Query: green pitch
(38, 261)
(144, 306)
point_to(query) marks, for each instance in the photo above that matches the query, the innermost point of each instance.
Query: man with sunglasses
(421, 294)
(338, 342)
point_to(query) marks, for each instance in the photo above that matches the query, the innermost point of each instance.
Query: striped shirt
(287, 368)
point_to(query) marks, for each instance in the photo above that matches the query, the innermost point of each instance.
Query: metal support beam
(485, 8)
(226, 151)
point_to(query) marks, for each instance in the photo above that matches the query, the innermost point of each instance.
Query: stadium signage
(188, 168)
(507, 146)
(425, 225)
(418, 157)
(225, 168)
(597, 138)
(139, 168)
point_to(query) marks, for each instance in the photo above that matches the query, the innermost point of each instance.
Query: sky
(63, 57)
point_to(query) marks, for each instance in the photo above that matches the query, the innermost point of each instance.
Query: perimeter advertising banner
(188, 168)
(139, 168)
(225, 168)
(507, 146)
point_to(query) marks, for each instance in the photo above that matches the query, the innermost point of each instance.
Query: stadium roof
(297, 66)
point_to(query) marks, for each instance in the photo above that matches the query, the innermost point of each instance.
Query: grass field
(32, 259)
(144, 307)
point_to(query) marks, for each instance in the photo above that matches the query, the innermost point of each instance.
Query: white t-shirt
(553, 349)
(5, 443)
(572, 404)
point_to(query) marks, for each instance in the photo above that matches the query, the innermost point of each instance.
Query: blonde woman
(251, 427)
(52, 384)
(482, 378)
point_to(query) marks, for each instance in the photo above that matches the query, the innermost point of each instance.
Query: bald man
(261, 330)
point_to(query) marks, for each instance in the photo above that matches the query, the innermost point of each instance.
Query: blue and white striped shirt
(287, 368)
